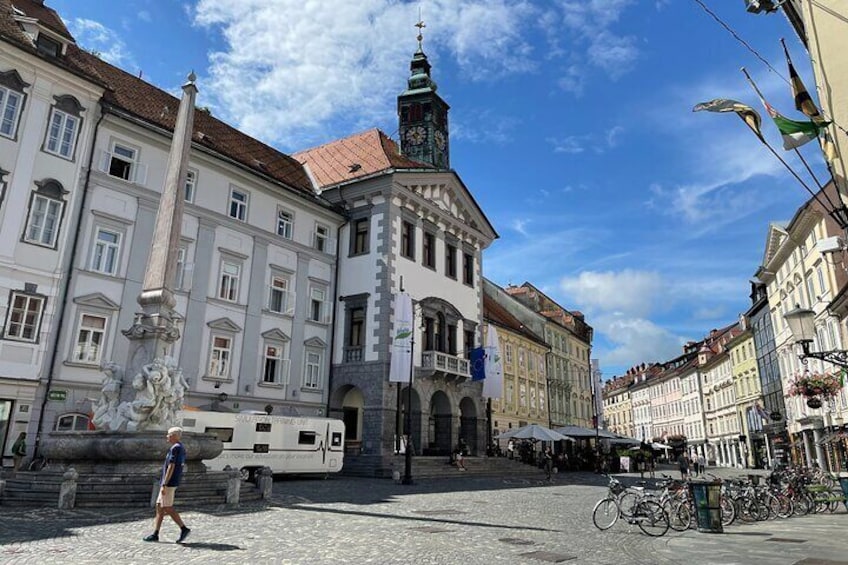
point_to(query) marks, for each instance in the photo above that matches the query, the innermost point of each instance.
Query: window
(190, 185)
(45, 214)
(47, 46)
(24, 317)
(230, 273)
(238, 205)
(10, 110)
(468, 336)
(285, 222)
(90, 339)
(317, 305)
(104, 256)
(820, 275)
(273, 362)
(356, 337)
(279, 300)
(450, 260)
(407, 240)
(72, 423)
(312, 372)
(322, 238)
(219, 358)
(428, 250)
(180, 274)
(62, 134)
(468, 269)
(122, 161)
(359, 237)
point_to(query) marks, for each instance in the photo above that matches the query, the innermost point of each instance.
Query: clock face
(415, 135)
(439, 137)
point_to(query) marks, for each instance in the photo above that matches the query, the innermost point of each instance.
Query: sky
(571, 123)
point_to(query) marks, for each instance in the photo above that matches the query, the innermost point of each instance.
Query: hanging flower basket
(814, 402)
(816, 385)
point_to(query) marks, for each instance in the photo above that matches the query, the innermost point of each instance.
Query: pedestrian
(702, 464)
(549, 463)
(510, 448)
(19, 450)
(172, 472)
(683, 464)
(696, 465)
(652, 462)
(459, 458)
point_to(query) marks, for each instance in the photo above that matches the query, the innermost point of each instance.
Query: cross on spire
(420, 25)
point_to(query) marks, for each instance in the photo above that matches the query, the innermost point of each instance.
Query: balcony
(438, 364)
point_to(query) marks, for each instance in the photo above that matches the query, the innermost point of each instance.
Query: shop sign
(57, 395)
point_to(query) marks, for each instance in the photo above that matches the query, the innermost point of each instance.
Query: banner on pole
(493, 383)
(400, 366)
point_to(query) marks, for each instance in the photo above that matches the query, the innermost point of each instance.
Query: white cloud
(520, 226)
(290, 67)
(104, 42)
(572, 144)
(628, 292)
(635, 340)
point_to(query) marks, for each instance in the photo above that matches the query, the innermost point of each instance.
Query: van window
(224, 434)
(263, 427)
(306, 438)
(337, 439)
(260, 448)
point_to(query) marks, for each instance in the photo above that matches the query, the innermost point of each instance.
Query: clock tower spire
(422, 114)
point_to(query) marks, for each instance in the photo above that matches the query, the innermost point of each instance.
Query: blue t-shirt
(177, 456)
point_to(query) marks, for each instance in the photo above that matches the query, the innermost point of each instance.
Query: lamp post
(802, 324)
(407, 452)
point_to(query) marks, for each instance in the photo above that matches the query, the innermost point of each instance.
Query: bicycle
(651, 518)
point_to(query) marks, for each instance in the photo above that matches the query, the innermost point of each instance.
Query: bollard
(68, 490)
(233, 485)
(265, 482)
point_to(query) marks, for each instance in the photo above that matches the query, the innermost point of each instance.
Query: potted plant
(815, 387)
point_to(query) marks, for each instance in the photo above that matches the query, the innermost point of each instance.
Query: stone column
(817, 437)
(808, 448)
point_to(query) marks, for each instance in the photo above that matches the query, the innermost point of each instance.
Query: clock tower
(423, 115)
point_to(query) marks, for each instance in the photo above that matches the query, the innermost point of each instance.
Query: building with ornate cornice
(721, 423)
(618, 411)
(749, 402)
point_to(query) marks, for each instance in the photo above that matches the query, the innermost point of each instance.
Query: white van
(285, 444)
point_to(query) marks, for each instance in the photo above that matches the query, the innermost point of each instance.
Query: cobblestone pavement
(465, 520)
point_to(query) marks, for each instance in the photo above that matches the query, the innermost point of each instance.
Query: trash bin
(706, 496)
(843, 482)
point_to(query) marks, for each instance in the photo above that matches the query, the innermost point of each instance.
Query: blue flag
(478, 364)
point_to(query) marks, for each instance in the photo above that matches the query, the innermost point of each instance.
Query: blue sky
(571, 122)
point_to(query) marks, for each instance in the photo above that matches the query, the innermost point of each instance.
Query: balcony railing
(353, 354)
(445, 363)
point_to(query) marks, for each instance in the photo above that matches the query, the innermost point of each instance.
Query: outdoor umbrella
(625, 441)
(535, 431)
(578, 431)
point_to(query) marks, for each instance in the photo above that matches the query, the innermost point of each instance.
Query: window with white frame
(11, 103)
(275, 366)
(106, 251)
(23, 319)
(322, 238)
(190, 185)
(219, 357)
(279, 300)
(122, 161)
(90, 339)
(317, 304)
(73, 422)
(45, 214)
(285, 223)
(312, 370)
(229, 286)
(63, 127)
(238, 205)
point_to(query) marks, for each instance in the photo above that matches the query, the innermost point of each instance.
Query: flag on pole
(478, 364)
(803, 101)
(794, 133)
(493, 383)
(400, 365)
(746, 113)
(761, 411)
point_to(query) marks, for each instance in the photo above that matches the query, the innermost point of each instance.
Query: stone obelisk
(155, 329)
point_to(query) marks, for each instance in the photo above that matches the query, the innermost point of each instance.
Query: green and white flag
(400, 364)
(794, 133)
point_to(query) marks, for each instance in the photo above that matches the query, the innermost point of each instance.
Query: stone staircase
(436, 467)
(42, 488)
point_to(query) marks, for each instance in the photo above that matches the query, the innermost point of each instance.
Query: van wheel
(247, 474)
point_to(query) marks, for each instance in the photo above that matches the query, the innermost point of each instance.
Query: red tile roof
(354, 157)
(131, 95)
(498, 315)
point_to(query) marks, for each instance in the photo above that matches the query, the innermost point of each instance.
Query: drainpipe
(67, 285)
(343, 211)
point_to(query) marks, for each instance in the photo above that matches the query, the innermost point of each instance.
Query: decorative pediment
(775, 238)
(315, 342)
(275, 334)
(97, 300)
(13, 80)
(224, 324)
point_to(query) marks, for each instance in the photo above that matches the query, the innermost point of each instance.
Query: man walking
(172, 472)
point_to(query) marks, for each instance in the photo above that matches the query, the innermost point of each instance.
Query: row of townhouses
(286, 266)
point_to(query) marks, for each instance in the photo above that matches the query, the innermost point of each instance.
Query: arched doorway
(440, 432)
(347, 404)
(468, 424)
(415, 435)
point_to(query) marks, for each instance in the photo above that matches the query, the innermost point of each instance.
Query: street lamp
(407, 452)
(802, 324)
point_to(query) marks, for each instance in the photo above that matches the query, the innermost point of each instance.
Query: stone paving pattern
(463, 520)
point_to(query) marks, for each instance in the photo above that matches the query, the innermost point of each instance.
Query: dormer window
(48, 46)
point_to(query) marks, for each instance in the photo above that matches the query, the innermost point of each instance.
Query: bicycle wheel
(605, 514)
(627, 502)
(651, 518)
(728, 511)
(680, 518)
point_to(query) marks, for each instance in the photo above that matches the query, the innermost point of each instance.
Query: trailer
(252, 440)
